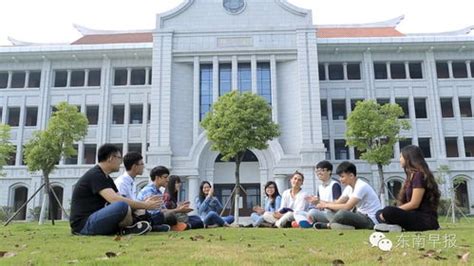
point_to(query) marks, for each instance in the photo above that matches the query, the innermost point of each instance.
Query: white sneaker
(387, 228)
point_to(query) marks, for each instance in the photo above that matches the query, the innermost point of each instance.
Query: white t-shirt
(126, 187)
(368, 203)
(326, 192)
(296, 204)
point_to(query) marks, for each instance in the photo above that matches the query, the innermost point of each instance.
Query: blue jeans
(106, 220)
(257, 219)
(213, 218)
(358, 220)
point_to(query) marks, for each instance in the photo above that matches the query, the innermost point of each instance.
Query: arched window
(56, 211)
(393, 188)
(462, 194)
(20, 196)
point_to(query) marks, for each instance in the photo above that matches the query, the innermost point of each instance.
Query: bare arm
(151, 203)
(340, 204)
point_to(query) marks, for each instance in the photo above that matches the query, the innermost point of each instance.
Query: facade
(147, 91)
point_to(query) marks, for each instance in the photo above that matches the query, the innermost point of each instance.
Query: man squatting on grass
(96, 206)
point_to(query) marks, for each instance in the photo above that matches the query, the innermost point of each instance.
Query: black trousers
(408, 220)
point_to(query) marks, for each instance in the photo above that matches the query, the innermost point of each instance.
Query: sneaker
(305, 224)
(337, 226)
(295, 224)
(160, 228)
(320, 225)
(387, 228)
(139, 228)
(179, 227)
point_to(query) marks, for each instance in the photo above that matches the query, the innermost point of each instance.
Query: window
(424, 144)
(452, 147)
(459, 70)
(465, 107)
(338, 109)
(225, 78)
(321, 72)
(324, 109)
(92, 113)
(244, 77)
(89, 153)
(12, 159)
(404, 142)
(442, 70)
(150, 76)
(354, 103)
(94, 78)
(60, 78)
(149, 114)
(328, 149)
(77, 78)
(416, 71)
(357, 153)
(447, 107)
(136, 114)
(397, 71)
(135, 147)
(404, 105)
(73, 158)
(13, 119)
(18, 79)
(336, 72)
(382, 101)
(380, 71)
(353, 71)
(206, 90)
(264, 84)
(118, 113)
(31, 116)
(420, 108)
(3, 80)
(342, 152)
(138, 77)
(469, 146)
(34, 80)
(120, 77)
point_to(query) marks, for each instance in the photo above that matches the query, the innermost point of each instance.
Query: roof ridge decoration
(463, 31)
(16, 42)
(88, 31)
(391, 23)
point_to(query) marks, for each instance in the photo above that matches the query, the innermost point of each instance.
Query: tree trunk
(382, 185)
(45, 205)
(238, 160)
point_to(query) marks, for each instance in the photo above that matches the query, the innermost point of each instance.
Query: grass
(30, 244)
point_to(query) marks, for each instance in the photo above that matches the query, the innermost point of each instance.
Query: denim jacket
(209, 204)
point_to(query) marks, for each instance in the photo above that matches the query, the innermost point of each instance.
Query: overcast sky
(50, 21)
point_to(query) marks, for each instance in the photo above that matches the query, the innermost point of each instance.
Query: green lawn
(30, 244)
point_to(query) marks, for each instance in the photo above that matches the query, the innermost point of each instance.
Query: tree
(44, 151)
(236, 123)
(373, 129)
(6, 148)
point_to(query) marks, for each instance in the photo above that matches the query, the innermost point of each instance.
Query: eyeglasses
(319, 170)
(118, 157)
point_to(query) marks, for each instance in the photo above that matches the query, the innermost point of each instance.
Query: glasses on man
(117, 156)
(320, 170)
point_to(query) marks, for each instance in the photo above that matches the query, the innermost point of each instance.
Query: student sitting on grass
(272, 203)
(96, 206)
(356, 194)
(418, 198)
(170, 199)
(159, 178)
(293, 200)
(209, 207)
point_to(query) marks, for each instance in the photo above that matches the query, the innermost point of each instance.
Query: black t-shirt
(86, 198)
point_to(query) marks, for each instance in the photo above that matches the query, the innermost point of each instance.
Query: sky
(51, 21)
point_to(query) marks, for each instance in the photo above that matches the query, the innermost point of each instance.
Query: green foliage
(239, 122)
(6, 148)
(374, 129)
(47, 147)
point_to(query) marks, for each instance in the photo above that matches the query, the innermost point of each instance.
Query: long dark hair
(171, 187)
(415, 162)
(201, 194)
(275, 195)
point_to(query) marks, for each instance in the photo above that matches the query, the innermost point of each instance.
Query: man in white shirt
(357, 194)
(133, 162)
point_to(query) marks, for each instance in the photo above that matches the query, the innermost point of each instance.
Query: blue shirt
(268, 206)
(148, 191)
(209, 204)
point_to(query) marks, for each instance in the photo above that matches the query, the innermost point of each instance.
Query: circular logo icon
(234, 6)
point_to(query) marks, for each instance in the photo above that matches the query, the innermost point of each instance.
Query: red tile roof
(115, 38)
(358, 32)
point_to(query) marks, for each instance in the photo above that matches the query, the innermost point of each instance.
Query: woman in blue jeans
(209, 207)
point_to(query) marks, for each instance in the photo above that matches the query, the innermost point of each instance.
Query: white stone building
(147, 90)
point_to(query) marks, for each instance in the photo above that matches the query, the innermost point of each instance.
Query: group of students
(103, 206)
(357, 206)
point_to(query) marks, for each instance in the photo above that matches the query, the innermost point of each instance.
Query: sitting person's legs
(322, 216)
(408, 220)
(108, 220)
(358, 220)
(213, 218)
(287, 218)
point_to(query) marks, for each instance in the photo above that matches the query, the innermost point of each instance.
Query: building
(147, 91)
